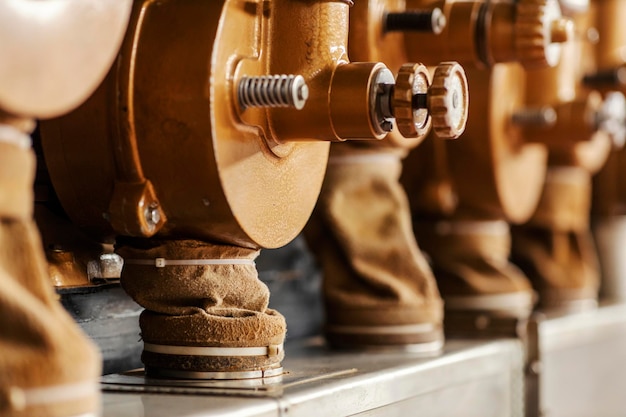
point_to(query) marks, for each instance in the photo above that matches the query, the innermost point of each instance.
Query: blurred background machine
(464, 193)
(210, 140)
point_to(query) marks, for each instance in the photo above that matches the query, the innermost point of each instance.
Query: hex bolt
(273, 91)
(386, 125)
(108, 266)
(433, 21)
(539, 117)
(152, 215)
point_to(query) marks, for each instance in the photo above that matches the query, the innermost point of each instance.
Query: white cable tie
(272, 350)
(385, 330)
(162, 262)
(374, 158)
(488, 227)
(14, 136)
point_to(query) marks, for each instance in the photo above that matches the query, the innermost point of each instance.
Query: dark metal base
(111, 319)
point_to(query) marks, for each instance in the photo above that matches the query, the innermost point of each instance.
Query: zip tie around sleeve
(162, 262)
(14, 136)
(486, 227)
(272, 350)
(372, 158)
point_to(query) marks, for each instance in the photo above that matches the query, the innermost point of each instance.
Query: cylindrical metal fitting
(538, 117)
(359, 100)
(433, 21)
(608, 78)
(273, 91)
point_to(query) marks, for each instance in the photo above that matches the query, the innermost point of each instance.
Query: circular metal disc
(495, 172)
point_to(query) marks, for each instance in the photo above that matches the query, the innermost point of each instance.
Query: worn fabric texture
(361, 233)
(16, 181)
(555, 248)
(207, 305)
(40, 346)
(471, 258)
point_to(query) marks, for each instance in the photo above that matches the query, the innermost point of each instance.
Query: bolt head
(386, 125)
(152, 215)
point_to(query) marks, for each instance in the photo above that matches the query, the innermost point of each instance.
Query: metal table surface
(584, 363)
(471, 378)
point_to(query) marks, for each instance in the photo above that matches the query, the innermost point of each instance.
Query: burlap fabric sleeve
(201, 305)
(469, 259)
(374, 273)
(555, 248)
(48, 368)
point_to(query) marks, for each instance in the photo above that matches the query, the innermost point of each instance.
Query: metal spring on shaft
(538, 117)
(273, 91)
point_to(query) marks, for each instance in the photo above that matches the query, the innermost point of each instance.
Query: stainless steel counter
(584, 364)
(471, 378)
(582, 374)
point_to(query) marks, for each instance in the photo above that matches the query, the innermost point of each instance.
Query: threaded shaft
(432, 21)
(273, 91)
(540, 117)
(613, 77)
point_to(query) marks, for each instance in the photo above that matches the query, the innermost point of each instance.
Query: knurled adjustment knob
(412, 83)
(448, 100)
(539, 30)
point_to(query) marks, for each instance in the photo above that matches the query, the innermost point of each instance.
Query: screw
(611, 77)
(107, 266)
(273, 91)
(386, 125)
(433, 21)
(152, 215)
(541, 117)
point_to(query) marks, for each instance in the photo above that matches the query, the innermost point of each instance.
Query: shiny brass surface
(358, 119)
(492, 172)
(608, 50)
(173, 150)
(576, 138)
(448, 100)
(484, 33)
(368, 41)
(412, 79)
(457, 40)
(496, 174)
(509, 172)
(218, 172)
